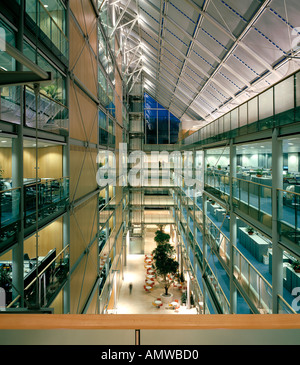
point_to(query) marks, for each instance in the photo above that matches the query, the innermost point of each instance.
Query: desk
(263, 191)
(292, 278)
(255, 244)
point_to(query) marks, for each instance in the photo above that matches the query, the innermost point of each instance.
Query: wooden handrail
(142, 322)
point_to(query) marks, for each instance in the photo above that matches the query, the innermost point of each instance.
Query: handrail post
(137, 337)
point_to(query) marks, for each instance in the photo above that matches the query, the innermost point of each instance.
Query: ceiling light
(3, 141)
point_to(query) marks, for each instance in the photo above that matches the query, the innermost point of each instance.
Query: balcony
(157, 330)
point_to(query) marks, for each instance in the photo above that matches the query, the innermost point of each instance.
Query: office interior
(73, 94)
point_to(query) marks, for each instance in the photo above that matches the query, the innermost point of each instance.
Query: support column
(233, 229)
(17, 178)
(204, 206)
(66, 227)
(277, 253)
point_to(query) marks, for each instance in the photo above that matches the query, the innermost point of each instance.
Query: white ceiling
(202, 58)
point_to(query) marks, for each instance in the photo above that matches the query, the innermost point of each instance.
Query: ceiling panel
(217, 52)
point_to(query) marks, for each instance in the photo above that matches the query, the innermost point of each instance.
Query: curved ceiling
(201, 58)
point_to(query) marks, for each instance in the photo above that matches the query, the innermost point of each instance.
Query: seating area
(145, 297)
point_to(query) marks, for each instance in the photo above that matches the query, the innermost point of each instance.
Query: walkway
(139, 301)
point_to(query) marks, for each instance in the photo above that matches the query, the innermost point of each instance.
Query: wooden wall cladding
(50, 237)
(83, 171)
(83, 279)
(83, 167)
(83, 12)
(83, 47)
(83, 116)
(93, 307)
(83, 228)
(49, 162)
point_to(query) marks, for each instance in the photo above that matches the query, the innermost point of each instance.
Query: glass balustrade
(218, 241)
(52, 116)
(215, 285)
(44, 280)
(10, 104)
(284, 307)
(9, 214)
(217, 183)
(256, 287)
(288, 211)
(49, 23)
(45, 198)
(253, 199)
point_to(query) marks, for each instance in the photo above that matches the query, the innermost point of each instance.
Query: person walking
(130, 288)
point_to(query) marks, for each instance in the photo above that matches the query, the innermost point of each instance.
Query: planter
(250, 233)
(258, 175)
(297, 271)
(166, 298)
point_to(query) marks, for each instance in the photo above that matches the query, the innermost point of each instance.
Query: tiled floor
(139, 301)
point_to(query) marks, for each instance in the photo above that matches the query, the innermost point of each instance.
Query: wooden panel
(57, 304)
(83, 227)
(85, 17)
(94, 306)
(50, 162)
(83, 280)
(83, 116)
(82, 59)
(5, 162)
(144, 321)
(50, 237)
(82, 171)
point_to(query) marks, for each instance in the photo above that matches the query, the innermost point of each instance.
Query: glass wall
(10, 95)
(45, 270)
(47, 18)
(49, 194)
(161, 126)
(278, 105)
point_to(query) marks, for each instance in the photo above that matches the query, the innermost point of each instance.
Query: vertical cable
(36, 93)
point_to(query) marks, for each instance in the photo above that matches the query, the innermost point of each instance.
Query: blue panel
(161, 126)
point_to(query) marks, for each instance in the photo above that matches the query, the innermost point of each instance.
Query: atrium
(123, 118)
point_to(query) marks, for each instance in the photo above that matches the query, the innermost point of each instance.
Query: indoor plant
(259, 172)
(296, 266)
(250, 230)
(163, 260)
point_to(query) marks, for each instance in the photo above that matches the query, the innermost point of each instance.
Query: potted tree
(161, 237)
(219, 167)
(165, 265)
